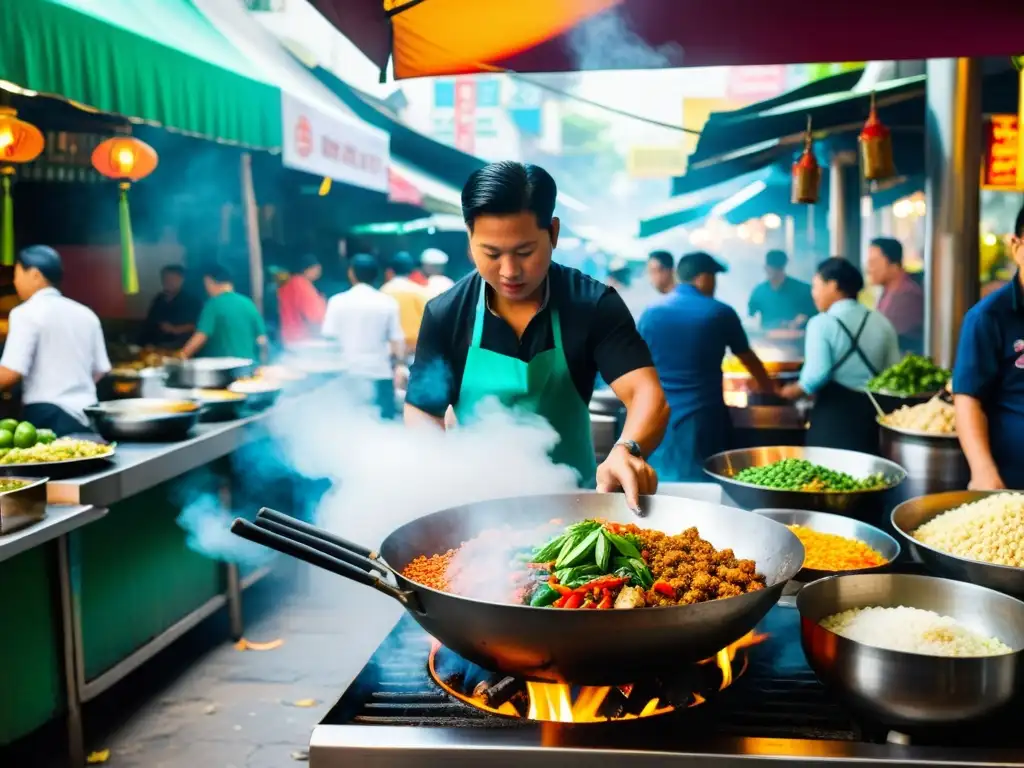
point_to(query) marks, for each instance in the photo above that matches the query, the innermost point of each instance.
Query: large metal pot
(207, 372)
(934, 462)
(144, 419)
(594, 647)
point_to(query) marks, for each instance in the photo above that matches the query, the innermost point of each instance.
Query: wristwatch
(632, 446)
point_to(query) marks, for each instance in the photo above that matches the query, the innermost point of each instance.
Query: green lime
(24, 435)
(45, 436)
(9, 424)
(6, 438)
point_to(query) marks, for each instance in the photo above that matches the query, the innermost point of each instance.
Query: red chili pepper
(560, 588)
(560, 602)
(607, 601)
(664, 588)
(590, 604)
(602, 582)
(572, 601)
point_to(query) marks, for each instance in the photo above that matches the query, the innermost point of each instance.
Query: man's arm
(19, 350)
(972, 430)
(193, 345)
(974, 378)
(430, 389)
(647, 411)
(738, 343)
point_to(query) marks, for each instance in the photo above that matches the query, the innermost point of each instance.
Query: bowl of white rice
(910, 650)
(973, 536)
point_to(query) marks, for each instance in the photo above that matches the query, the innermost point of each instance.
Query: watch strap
(632, 446)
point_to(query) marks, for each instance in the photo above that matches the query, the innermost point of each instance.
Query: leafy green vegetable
(550, 551)
(624, 545)
(543, 596)
(800, 474)
(581, 551)
(913, 375)
(603, 551)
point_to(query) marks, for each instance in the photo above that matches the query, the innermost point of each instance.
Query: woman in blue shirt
(846, 345)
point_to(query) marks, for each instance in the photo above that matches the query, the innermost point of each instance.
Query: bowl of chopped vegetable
(815, 479)
(835, 544)
(913, 380)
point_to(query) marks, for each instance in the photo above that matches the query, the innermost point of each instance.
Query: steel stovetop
(393, 716)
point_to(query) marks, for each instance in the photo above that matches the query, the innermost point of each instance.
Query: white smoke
(607, 42)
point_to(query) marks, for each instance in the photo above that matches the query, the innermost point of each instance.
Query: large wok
(594, 647)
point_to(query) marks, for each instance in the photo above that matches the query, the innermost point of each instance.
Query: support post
(250, 212)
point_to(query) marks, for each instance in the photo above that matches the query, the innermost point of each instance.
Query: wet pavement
(205, 704)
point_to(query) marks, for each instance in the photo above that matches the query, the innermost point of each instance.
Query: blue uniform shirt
(779, 307)
(990, 367)
(688, 334)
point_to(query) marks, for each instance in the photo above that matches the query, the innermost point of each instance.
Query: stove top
(394, 715)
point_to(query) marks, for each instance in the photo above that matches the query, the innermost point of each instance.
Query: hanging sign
(999, 168)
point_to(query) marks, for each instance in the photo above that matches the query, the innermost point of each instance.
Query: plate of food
(26, 450)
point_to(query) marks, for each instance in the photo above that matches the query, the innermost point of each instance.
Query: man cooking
(172, 315)
(54, 347)
(688, 333)
(535, 334)
(230, 325)
(780, 301)
(988, 381)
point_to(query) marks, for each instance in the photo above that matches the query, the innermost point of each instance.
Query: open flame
(562, 703)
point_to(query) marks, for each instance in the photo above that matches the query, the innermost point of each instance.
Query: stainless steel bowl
(144, 419)
(207, 372)
(910, 689)
(912, 514)
(878, 540)
(934, 462)
(864, 505)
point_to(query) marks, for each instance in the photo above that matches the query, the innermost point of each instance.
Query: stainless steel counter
(140, 466)
(59, 520)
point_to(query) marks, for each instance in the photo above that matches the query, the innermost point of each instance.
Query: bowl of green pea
(798, 477)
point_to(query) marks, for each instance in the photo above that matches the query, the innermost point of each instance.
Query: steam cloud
(607, 42)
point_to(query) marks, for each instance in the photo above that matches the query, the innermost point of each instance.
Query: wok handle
(319, 544)
(298, 550)
(283, 519)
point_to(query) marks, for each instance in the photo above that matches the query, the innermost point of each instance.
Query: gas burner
(512, 697)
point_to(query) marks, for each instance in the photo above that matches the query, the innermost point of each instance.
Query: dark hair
(846, 276)
(305, 261)
(217, 272)
(1018, 226)
(402, 264)
(890, 248)
(364, 267)
(46, 260)
(664, 258)
(172, 269)
(776, 259)
(507, 187)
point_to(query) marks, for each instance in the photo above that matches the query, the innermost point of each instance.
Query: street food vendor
(300, 305)
(988, 381)
(54, 347)
(172, 314)
(846, 345)
(902, 300)
(688, 333)
(230, 325)
(535, 334)
(780, 301)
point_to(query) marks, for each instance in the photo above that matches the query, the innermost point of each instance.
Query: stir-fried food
(591, 564)
(6, 486)
(831, 552)
(802, 475)
(61, 449)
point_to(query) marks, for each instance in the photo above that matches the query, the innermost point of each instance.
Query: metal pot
(144, 419)
(23, 506)
(594, 647)
(910, 689)
(207, 372)
(934, 462)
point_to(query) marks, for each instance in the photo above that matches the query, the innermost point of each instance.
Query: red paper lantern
(876, 148)
(124, 158)
(20, 142)
(806, 173)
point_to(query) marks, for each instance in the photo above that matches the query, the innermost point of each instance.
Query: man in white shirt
(54, 346)
(434, 261)
(366, 325)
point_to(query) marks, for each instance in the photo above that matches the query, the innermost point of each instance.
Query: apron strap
(556, 328)
(478, 320)
(854, 346)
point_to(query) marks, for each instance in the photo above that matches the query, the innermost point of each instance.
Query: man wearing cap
(411, 298)
(781, 301)
(54, 347)
(688, 333)
(533, 335)
(300, 304)
(434, 261)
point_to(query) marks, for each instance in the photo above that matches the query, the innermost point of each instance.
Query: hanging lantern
(1018, 62)
(126, 159)
(876, 148)
(806, 173)
(20, 142)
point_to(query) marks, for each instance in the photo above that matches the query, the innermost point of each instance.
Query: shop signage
(465, 114)
(1000, 161)
(750, 84)
(334, 145)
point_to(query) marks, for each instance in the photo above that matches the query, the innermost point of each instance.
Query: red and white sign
(465, 114)
(1001, 137)
(401, 190)
(334, 145)
(750, 84)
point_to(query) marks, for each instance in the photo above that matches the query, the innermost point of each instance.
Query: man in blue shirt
(688, 333)
(988, 381)
(781, 301)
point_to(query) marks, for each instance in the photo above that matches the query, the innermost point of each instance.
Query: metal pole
(72, 671)
(232, 578)
(952, 170)
(250, 214)
(836, 208)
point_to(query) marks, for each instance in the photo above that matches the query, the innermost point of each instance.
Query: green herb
(603, 551)
(549, 551)
(543, 596)
(913, 375)
(624, 545)
(581, 551)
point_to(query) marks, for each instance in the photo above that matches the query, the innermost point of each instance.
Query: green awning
(159, 61)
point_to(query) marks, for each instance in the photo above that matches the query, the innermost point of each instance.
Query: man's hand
(986, 481)
(628, 473)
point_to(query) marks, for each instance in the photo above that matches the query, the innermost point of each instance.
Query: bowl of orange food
(834, 544)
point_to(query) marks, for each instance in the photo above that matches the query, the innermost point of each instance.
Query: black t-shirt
(598, 336)
(183, 309)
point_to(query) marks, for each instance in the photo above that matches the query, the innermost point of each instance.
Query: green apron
(542, 386)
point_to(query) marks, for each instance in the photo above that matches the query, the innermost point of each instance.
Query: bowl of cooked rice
(908, 650)
(974, 536)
